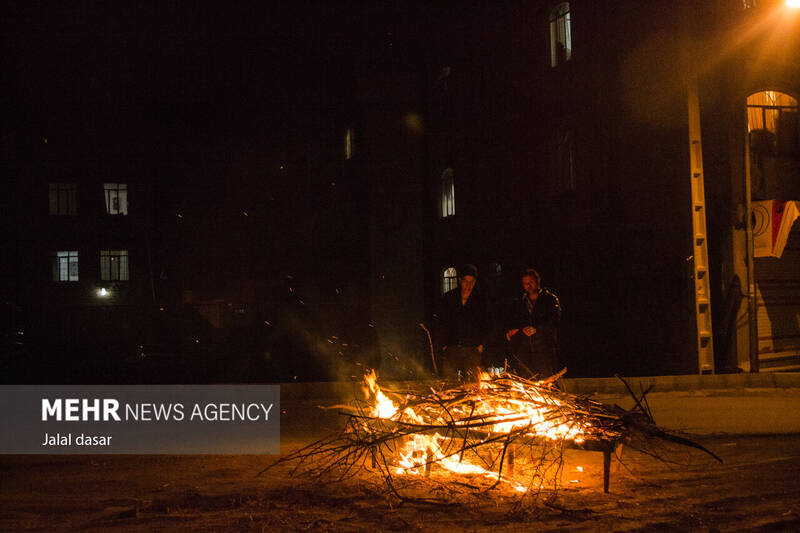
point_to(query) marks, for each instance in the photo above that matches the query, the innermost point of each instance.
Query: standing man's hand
(529, 330)
(444, 348)
(510, 333)
(480, 348)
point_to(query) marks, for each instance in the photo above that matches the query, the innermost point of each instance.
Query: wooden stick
(430, 343)
(606, 468)
(429, 463)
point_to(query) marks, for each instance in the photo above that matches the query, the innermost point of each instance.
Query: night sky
(151, 71)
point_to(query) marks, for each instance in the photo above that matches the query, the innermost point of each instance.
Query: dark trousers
(459, 357)
(541, 363)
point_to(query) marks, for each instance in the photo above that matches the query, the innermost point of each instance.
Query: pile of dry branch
(501, 430)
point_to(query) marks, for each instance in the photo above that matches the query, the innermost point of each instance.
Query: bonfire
(498, 431)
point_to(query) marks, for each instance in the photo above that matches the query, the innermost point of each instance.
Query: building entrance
(774, 143)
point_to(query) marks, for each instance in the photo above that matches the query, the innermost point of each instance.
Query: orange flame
(383, 407)
(420, 451)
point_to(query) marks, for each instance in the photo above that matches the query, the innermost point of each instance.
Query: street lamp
(793, 3)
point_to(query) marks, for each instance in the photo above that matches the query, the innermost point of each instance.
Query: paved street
(754, 489)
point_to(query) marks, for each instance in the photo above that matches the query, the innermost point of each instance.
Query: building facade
(559, 137)
(82, 278)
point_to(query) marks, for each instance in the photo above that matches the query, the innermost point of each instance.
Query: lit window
(765, 110)
(448, 194)
(562, 161)
(65, 265)
(449, 279)
(560, 35)
(116, 198)
(348, 143)
(63, 199)
(114, 265)
(772, 119)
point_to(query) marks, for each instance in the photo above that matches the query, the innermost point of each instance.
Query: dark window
(63, 199)
(114, 265)
(562, 160)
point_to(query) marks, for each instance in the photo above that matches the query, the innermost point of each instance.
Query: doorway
(774, 145)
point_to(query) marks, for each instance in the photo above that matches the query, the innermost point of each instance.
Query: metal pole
(751, 267)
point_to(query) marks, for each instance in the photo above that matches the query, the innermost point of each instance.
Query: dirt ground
(755, 489)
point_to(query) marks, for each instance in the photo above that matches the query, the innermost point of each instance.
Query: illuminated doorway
(774, 164)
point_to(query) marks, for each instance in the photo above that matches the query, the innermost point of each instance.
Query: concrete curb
(723, 411)
(685, 383)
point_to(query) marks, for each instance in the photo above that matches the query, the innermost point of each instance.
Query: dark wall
(615, 247)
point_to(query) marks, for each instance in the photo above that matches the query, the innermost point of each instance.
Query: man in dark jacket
(464, 326)
(532, 328)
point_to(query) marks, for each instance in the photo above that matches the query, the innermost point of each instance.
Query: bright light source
(102, 292)
(793, 3)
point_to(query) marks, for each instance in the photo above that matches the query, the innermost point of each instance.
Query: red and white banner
(772, 222)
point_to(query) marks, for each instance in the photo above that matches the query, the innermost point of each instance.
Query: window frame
(783, 141)
(449, 279)
(107, 270)
(66, 199)
(779, 109)
(447, 194)
(62, 266)
(560, 33)
(108, 189)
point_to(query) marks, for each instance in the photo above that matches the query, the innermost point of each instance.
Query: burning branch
(461, 438)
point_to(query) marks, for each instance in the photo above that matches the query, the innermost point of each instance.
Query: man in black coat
(532, 328)
(464, 326)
